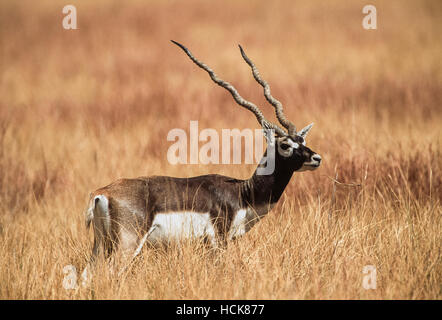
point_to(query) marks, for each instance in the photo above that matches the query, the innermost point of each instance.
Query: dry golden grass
(81, 108)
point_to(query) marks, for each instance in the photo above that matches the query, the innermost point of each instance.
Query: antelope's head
(290, 144)
(293, 149)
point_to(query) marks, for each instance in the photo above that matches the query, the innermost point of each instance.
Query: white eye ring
(285, 152)
(293, 144)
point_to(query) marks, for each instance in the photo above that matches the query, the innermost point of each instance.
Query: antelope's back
(137, 201)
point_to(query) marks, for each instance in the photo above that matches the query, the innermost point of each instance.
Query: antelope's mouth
(310, 166)
(313, 164)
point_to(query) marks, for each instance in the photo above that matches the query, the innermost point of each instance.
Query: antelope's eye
(285, 146)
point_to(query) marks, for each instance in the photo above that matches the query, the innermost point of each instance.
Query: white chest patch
(181, 225)
(238, 227)
(245, 219)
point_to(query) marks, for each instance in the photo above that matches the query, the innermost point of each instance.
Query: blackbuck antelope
(158, 209)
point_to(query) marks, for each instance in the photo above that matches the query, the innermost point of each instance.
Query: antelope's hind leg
(134, 251)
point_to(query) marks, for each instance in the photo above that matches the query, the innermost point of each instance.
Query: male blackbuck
(131, 212)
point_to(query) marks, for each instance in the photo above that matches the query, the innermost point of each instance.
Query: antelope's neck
(262, 192)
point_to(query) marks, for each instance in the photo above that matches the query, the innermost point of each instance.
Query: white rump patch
(181, 225)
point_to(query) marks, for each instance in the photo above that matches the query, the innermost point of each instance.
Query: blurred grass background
(81, 108)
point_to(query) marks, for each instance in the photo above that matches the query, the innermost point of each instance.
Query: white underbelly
(177, 226)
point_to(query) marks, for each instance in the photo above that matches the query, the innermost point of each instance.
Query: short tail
(98, 208)
(98, 214)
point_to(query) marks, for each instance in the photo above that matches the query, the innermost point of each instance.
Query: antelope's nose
(317, 158)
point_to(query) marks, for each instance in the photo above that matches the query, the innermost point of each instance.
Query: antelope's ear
(305, 130)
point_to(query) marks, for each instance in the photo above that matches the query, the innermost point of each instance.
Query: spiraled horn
(240, 100)
(286, 123)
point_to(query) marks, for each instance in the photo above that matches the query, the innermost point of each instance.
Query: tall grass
(79, 109)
